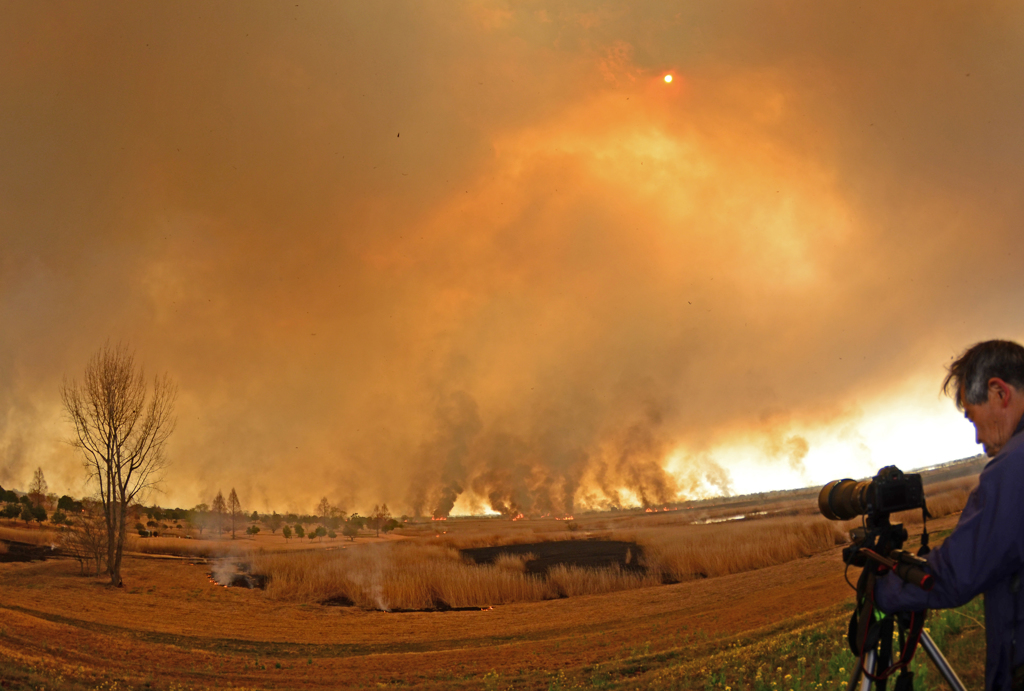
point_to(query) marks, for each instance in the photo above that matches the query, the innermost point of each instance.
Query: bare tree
(219, 508)
(85, 536)
(380, 515)
(37, 488)
(122, 428)
(235, 510)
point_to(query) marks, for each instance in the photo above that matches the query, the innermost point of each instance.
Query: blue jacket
(982, 555)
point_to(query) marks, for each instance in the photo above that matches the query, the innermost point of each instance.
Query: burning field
(666, 600)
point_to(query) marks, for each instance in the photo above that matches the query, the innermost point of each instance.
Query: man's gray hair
(968, 377)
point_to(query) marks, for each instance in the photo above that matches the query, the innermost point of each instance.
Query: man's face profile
(994, 419)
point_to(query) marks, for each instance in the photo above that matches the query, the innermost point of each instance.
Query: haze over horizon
(482, 255)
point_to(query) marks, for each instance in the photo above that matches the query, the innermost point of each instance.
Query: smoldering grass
(402, 575)
(415, 574)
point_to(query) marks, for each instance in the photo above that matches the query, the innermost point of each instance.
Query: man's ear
(1003, 390)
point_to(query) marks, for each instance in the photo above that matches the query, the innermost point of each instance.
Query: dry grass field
(756, 600)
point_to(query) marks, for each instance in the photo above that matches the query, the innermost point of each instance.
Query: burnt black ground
(22, 551)
(593, 554)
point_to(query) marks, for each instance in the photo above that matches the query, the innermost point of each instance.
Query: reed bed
(570, 581)
(504, 533)
(400, 575)
(181, 547)
(719, 549)
(414, 575)
(32, 536)
(422, 574)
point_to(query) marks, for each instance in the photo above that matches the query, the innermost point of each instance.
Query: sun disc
(668, 78)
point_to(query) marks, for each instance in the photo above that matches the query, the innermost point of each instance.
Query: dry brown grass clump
(704, 551)
(569, 581)
(32, 536)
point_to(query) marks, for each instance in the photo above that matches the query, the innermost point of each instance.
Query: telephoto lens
(889, 491)
(841, 500)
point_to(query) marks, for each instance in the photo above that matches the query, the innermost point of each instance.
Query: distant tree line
(220, 516)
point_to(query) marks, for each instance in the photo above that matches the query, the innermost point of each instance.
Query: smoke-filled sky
(483, 255)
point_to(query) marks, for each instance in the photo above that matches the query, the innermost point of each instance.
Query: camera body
(891, 490)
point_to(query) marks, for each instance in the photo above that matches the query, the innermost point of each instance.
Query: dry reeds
(718, 549)
(186, 548)
(415, 574)
(570, 581)
(32, 536)
(401, 575)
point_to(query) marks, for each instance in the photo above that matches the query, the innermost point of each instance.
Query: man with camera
(985, 553)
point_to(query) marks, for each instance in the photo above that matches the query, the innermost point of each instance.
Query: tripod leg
(858, 673)
(936, 656)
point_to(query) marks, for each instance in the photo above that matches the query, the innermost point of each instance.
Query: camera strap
(924, 549)
(871, 630)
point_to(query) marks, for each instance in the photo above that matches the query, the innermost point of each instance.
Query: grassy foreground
(800, 654)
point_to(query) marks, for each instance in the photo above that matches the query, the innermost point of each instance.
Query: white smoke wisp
(223, 571)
